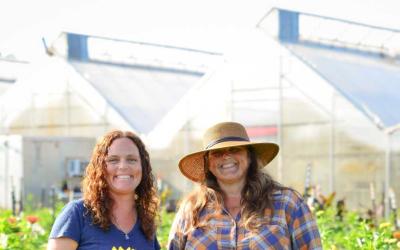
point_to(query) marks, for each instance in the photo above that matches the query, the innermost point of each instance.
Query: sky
(210, 25)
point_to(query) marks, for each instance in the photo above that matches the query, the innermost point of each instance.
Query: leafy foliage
(21, 233)
(353, 232)
(163, 229)
(30, 231)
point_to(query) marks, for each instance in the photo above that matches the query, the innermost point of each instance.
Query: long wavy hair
(96, 194)
(256, 195)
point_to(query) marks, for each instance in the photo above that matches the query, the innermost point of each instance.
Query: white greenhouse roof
(369, 81)
(362, 62)
(141, 95)
(143, 82)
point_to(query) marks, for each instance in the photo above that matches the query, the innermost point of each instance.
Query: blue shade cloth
(291, 225)
(142, 95)
(75, 223)
(369, 80)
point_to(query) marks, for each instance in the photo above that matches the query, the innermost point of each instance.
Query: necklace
(120, 229)
(118, 226)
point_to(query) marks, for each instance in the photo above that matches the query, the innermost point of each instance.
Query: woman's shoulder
(75, 206)
(287, 196)
(78, 202)
(190, 200)
(69, 221)
(186, 205)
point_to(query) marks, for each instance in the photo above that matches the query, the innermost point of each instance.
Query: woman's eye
(112, 160)
(216, 153)
(233, 150)
(132, 160)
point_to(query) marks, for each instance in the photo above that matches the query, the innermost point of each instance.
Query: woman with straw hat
(237, 206)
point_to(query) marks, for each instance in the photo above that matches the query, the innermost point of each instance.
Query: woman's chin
(123, 189)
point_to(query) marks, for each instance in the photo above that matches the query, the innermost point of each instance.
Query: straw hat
(224, 135)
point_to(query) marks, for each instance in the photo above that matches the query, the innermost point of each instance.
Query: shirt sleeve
(177, 236)
(303, 228)
(68, 223)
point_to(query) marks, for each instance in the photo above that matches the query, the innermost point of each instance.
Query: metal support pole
(6, 174)
(388, 135)
(186, 148)
(43, 197)
(13, 202)
(387, 175)
(68, 111)
(332, 146)
(21, 196)
(53, 202)
(280, 121)
(231, 109)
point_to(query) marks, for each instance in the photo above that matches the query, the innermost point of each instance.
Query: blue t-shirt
(75, 223)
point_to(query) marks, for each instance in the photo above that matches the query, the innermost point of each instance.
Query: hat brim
(192, 165)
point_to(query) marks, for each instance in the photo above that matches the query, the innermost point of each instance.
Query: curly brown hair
(96, 194)
(256, 195)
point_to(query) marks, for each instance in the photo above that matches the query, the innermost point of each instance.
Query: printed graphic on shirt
(121, 248)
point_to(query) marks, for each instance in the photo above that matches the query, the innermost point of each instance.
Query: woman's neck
(232, 201)
(232, 196)
(124, 206)
(232, 189)
(124, 213)
(233, 204)
(124, 202)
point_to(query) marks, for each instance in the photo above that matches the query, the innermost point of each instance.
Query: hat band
(224, 139)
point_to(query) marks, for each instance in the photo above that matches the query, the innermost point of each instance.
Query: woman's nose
(226, 154)
(123, 164)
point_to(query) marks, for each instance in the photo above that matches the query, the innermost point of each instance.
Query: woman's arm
(66, 230)
(62, 244)
(177, 237)
(305, 234)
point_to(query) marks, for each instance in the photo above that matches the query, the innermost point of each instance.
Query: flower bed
(350, 232)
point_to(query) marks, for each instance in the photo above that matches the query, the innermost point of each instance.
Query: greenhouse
(323, 87)
(327, 99)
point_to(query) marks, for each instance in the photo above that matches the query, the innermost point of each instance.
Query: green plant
(30, 230)
(21, 233)
(163, 229)
(165, 194)
(353, 232)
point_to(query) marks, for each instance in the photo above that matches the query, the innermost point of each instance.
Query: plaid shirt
(291, 226)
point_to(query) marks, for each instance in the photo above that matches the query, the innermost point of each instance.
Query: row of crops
(348, 231)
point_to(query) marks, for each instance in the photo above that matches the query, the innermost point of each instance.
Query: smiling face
(229, 165)
(123, 166)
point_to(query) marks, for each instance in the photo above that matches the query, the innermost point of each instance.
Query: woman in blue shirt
(119, 202)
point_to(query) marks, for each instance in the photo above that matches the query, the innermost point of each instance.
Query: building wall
(33, 166)
(63, 113)
(357, 147)
(356, 144)
(46, 163)
(11, 168)
(165, 162)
